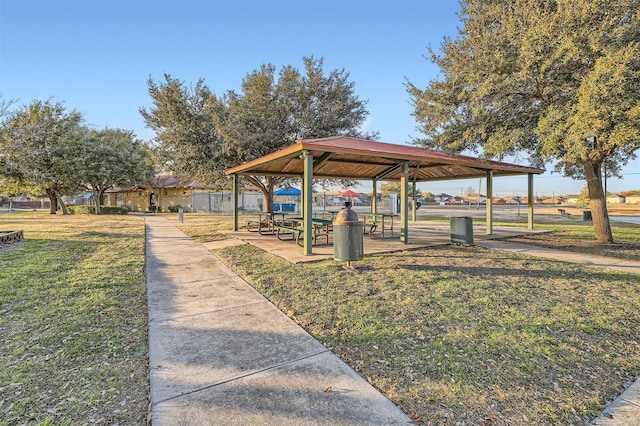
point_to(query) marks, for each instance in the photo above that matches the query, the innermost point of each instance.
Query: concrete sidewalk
(595, 260)
(220, 353)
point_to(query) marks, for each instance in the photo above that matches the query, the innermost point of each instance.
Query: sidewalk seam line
(212, 281)
(213, 385)
(214, 310)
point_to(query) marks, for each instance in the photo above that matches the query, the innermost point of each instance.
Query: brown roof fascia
(354, 146)
(280, 154)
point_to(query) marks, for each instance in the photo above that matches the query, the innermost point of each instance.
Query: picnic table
(325, 214)
(371, 221)
(267, 223)
(264, 225)
(292, 226)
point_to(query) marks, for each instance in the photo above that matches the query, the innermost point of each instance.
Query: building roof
(360, 159)
(171, 181)
(164, 182)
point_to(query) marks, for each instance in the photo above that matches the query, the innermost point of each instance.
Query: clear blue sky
(95, 56)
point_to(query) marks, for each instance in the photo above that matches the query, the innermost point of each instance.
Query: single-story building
(165, 191)
(615, 199)
(572, 199)
(632, 199)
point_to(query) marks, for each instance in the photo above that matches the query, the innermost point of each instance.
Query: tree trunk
(268, 202)
(53, 200)
(598, 202)
(61, 203)
(101, 192)
(266, 188)
(96, 201)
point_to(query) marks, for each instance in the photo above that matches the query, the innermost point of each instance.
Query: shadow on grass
(552, 271)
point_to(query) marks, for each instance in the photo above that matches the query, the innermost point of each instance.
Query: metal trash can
(462, 230)
(586, 215)
(348, 235)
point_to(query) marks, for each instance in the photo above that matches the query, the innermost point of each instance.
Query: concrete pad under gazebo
(359, 159)
(424, 234)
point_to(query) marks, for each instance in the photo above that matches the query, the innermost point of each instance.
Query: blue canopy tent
(291, 192)
(287, 195)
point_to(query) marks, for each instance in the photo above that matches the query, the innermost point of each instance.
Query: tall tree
(187, 142)
(38, 147)
(559, 79)
(112, 157)
(272, 113)
(200, 134)
(5, 105)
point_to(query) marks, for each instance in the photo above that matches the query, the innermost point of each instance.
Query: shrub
(174, 208)
(114, 210)
(103, 210)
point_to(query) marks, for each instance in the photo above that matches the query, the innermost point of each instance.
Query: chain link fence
(222, 202)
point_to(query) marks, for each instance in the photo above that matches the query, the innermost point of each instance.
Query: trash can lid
(345, 217)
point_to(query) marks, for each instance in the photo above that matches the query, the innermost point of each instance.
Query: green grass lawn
(73, 321)
(453, 335)
(464, 334)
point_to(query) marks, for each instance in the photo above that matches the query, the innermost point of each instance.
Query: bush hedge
(103, 210)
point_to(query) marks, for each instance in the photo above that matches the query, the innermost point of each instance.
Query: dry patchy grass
(464, 335)
(580, 238)
(207, 227)
(453, 335)
(73, 341)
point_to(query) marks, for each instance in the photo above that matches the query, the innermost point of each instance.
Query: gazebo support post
(301, 196)
(414, 210)
(235, 202)
(307, 202)
(404, 203)
(413, 197)
(530, 200)
(489, 202)
(374, 197)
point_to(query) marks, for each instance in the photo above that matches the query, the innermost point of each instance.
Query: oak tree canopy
(557, 79)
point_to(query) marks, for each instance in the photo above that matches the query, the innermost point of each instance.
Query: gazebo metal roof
(359, 159)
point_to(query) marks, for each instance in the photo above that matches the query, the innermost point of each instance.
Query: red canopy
(349, 194)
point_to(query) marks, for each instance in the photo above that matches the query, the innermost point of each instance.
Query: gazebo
(359, 159)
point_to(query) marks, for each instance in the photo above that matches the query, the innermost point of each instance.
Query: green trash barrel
(586, 215)
(348, 236)
(462, 230)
